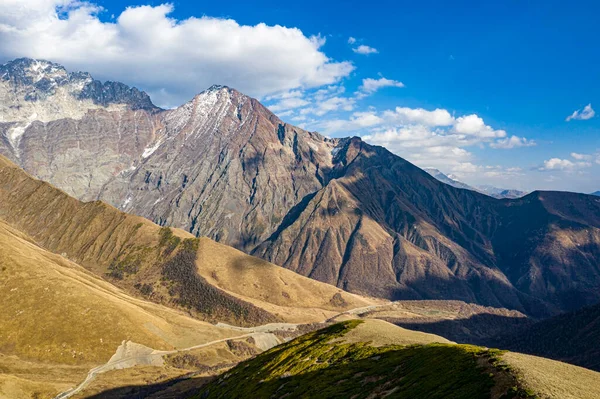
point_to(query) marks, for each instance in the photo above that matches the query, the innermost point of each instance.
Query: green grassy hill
(327, 364)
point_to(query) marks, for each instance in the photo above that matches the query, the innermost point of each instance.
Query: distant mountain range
(336, 210)
(485, 189)
(597, 193)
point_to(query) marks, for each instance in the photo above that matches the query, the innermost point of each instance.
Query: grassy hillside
(167, 266)
(350, 360)
(58, 320)
(324, 364)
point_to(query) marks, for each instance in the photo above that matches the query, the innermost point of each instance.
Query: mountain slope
(166, 266)
(391, 229)
(58, 320)
(336, 210)
(571, 337)
(597, 193)
(344, 361)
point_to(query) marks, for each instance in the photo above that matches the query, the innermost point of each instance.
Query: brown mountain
(166, 266)
(336, 210)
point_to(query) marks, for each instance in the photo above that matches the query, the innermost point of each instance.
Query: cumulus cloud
(582, 114)
(432, 138)
(404, 115)
(564, 164)
(513, 142)
(330, 104)
(581, 157)
(474, 125)
(171, 59)
(363, 49)
(351, 40)
(370, 85)
(356, 122)
(289, 104)
(317, 102)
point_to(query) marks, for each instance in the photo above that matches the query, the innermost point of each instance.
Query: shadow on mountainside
(571, 337)
(480, 329)
(180, 387)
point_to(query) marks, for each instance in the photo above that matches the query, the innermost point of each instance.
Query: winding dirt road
(258, 331)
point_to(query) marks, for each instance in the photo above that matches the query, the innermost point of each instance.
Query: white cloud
(582, 114)
(581, 157)
(363, 49)
(513, 142)
(422, 146)
(333, 104)
(317, 102)
(370, 85)
(474, 125)
(288, 104)
(563, 164)
(404, 115)
(171, 59)
(351, 40)
(429, 138)
(358, 121)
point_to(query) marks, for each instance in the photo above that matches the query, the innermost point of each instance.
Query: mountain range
(87, 290)
(213, 250)
(339, 211)
(485, 189)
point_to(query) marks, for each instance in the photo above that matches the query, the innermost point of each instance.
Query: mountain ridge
(337, 210)
(167, 266)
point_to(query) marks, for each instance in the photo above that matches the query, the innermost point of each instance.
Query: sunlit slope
(284, 293)
(164, 265)
(58, 319)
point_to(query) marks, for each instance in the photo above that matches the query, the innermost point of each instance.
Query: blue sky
(493, 70)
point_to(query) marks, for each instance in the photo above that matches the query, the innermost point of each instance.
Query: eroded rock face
(336, 210)
(223, 166)
(68, 128)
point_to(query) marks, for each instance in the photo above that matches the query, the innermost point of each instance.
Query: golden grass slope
(381, 333)
(101, 238)
(551, 379)
(58, 320)
(373, 359)
(290, 296)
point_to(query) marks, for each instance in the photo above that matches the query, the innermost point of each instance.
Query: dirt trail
(130, 354)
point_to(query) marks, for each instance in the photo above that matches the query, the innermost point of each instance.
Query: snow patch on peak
(15, 134)
(205, 101)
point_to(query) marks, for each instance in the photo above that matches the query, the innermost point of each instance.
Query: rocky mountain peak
(39, 80)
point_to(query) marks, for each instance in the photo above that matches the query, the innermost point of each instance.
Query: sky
(499, 93)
